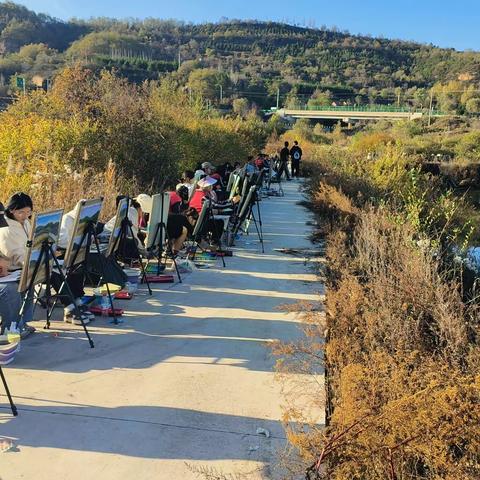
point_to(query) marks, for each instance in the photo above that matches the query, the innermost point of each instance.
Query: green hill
(252, 59)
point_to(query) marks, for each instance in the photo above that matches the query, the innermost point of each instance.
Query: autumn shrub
(402, 362)
(64, 144)
(398, 339)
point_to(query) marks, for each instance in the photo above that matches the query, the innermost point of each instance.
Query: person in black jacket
(284, 155)
(296, 155)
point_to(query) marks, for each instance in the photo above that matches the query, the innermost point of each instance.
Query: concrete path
(182, 385)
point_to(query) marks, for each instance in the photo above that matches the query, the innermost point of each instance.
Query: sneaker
(213, 247)
(203, 244)
(70, 317)
(84, 309)
(26, 331)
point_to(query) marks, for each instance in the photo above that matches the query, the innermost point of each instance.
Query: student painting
(146, 203)
(214, 227)
(13, 240)
(178, 225)
(188, 180)
(76, 280)
(10, 299)
(260, 161)
(129, 250)
(199, 173)
(250, 167)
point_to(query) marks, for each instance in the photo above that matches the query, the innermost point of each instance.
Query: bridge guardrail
(364, 108)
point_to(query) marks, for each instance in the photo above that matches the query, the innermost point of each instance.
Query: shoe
(213, 247)
(87, 313)
(84, 309)
(70, 317)
(203, 244)
(26, 331)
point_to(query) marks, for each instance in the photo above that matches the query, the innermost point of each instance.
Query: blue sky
(445, 23)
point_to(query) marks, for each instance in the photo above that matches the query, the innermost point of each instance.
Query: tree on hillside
(241, 106)
(449, 95)
(320, 98)
(473, 105)
(106, 43)
(206, 82)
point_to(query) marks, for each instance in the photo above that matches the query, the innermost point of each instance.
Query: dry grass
(402, 357)
(402, 360)
(57, 186)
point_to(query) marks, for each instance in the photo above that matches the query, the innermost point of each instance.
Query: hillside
(252, 59)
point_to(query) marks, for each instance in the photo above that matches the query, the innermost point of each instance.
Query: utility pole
(430, 108)
(278, 98)
(221, 93)
(179, 59)
(398, 99)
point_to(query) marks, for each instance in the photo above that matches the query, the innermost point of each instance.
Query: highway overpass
(352, 114)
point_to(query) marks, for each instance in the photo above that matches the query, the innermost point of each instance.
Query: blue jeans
(10, 303)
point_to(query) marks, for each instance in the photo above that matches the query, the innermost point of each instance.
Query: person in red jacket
(214, 226)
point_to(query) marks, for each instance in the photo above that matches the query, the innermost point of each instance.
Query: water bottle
(105, 305)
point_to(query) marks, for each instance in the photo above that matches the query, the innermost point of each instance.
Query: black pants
(283, 168)
(214, 227)
(75, 282)
(295, 168)
(175, 225)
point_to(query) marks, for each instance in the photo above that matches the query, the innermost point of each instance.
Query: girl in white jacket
(13, 241)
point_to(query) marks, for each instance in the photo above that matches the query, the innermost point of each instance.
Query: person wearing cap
(146, 202)
(208, 168)
(13, 240)
(199, 172)
(10, 299)
(204, 170)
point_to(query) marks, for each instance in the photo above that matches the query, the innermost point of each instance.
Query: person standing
(284, 156)
(296, 155)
